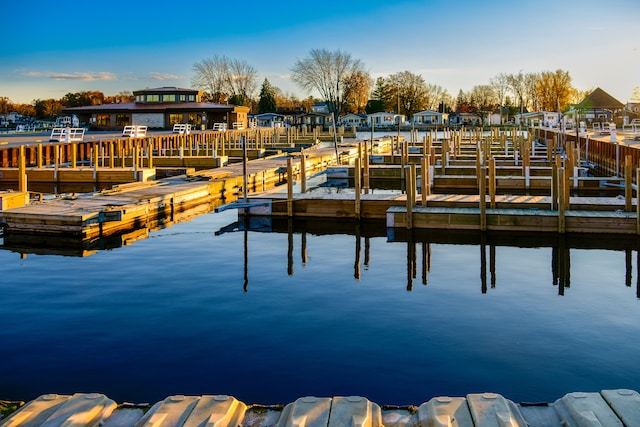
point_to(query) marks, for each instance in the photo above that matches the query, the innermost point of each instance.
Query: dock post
(303, 172)
(483, 198)
(150, 153)
(22, 171)
(492, 182)
(56, 160)
(425, 187)
(638, 203)
(365, 173)
(628, 181)
(39, 161)
(289, 187)
(112, 155)
(410, 195)
(357, 187)
(561, 201)
(74, 154)
(94, 156)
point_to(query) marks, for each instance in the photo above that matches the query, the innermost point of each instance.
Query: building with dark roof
(160, 108)
(599, 106)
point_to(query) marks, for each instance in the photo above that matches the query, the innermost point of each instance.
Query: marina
(199, 281)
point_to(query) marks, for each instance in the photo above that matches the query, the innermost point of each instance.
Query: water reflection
(487, 242)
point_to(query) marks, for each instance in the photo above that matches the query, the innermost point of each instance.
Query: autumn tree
(5, 105)
(84, 98)
(124, 96)
(48, 108)
(267, 102)
(554, 90)
(326, 72)
(436, 97)
(356, 91)
(408, 90)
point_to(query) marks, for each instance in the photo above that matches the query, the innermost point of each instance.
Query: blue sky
(50, 49)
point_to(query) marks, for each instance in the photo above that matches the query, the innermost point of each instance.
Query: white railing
(220, 126)
(182, 128)
(134, 131)
(67, 135)
(238, 125)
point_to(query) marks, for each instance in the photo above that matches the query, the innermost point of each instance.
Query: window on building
(175, 118)
(122, 120)
(153, 98)
(192, 98)
(183, 98)
(139, 98)
(169, 98)
(195, 119)
(103, 120)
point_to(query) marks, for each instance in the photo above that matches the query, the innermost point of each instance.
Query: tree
(408, 90)
(356, 91)
(483, 101)
(516, 83)
(47, 108)
(241, 81)
(377, 104)
(554, 90)
(211, 76)
(84, 98)
(500, 86)
(5, 105)
(436, 97)
(267, 103)
(326, 72)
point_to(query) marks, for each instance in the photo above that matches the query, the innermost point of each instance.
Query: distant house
(429, 117)
(549, 119)
(353, 120)
(466, 119)
(271, 120)
(160, 108)
(385, 119)
(598, 106)
(320, 107)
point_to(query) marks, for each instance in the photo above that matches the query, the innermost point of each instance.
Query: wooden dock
(608, 408)
(127, 207)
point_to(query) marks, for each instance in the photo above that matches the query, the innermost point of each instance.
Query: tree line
(346, 87)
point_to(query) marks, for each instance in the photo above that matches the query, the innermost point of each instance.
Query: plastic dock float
(493, 410)
(306, 411)
(52, 410)
(445, 412)
(586, 410)
(195, 411)
(354, 411)
(626, 405)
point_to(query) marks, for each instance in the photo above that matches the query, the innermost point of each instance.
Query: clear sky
(52, 48)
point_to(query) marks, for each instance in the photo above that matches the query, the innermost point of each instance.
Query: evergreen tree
(267, 103)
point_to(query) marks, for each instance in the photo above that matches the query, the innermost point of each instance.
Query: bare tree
(483, 101)
(325, 72)
(500, 86)
(436, 95)
(516, 83)
(241, 79)
(212, 76)
(406, 90)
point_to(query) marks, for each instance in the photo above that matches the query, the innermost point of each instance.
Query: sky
(50, 49)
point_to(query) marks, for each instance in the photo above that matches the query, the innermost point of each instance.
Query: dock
(607, 408)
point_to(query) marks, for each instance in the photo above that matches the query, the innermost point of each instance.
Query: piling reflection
(487, 243)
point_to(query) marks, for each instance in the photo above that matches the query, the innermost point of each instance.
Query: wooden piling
(303, 173)
(628, 182)
(289, 187)
(492, 182)
(561, 201)
(357, 187)
(425, 187)
(483, 198)
(22, 171)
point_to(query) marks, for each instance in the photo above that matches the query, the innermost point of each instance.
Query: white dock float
(445, 412)
(626, 405)
(306, 411)
(354, 411)
(586, 410)
(52, 410)
(493, 410)
(609, 408)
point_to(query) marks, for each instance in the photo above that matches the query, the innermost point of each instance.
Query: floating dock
(608, 408)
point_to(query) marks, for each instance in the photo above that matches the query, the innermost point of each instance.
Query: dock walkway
(608, 408)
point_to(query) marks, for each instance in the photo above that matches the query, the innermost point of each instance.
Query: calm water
(184, 312)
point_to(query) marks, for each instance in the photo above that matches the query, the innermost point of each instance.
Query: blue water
(175, 314)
